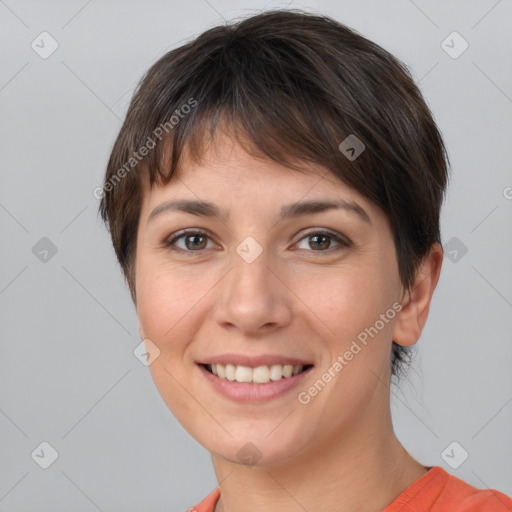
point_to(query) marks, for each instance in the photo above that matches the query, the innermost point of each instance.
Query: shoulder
(208, 504)
(439, 491)
(460, 496)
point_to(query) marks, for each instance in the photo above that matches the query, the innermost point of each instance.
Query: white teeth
(260, 374)
(287, 370)
(243, 374)
(276, 371)
(230, 372)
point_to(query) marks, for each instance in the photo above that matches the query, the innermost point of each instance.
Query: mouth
(251, 379)
(262, 374)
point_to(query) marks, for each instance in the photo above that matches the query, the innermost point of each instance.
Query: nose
(253, 298)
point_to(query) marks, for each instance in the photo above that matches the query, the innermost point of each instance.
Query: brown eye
(192, 241)
(195, 242)
(322, 241)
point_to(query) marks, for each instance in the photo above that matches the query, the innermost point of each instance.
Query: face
(252, 295)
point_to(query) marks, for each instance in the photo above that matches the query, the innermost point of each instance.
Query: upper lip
(253, 361)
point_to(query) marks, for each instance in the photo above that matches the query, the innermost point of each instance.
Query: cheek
(165, 310)
(166, 302)
(347, 304)
(346, 299)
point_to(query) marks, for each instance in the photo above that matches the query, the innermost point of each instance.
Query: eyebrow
(207, 209)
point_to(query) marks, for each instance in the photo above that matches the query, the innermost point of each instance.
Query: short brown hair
(296, 85)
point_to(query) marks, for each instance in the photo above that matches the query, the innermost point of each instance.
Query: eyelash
(183, 234)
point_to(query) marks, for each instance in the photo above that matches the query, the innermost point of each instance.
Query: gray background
(68, 375)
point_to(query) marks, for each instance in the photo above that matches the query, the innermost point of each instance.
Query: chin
(254, 450)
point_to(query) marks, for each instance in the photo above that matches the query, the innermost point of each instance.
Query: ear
(416, 301)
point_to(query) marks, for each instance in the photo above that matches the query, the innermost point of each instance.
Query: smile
(258, 375)
(254, 379)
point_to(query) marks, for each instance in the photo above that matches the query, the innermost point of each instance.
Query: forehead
(226, 174)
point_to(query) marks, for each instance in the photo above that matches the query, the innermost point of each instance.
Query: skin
(300, 298)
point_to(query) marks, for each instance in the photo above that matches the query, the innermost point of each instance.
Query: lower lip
(248, 392)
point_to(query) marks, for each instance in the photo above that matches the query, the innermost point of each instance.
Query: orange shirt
(436, 491)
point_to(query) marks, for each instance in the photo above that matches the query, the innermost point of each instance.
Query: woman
(274, 199)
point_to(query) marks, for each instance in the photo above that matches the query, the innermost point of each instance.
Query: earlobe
(416, 302)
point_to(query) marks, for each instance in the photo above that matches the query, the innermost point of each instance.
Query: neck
(363, 470)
